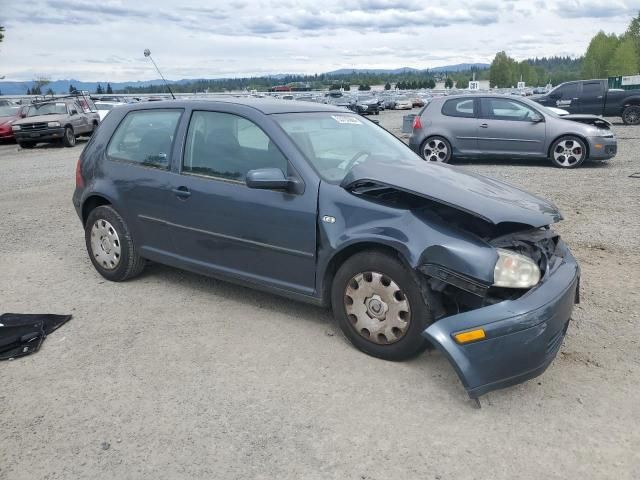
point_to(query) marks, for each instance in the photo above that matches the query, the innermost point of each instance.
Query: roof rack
(53, 98)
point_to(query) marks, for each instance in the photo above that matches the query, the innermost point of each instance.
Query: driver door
(507, 127)
(219, 225)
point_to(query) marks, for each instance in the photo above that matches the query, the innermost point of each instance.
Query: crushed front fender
(523, 336)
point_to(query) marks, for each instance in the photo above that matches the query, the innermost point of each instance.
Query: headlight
(53, 124)
(15, 128)
(513, 270)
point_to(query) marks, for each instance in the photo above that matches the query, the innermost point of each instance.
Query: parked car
(8, 115)
(503, 126)
(58, 120)
(403, 103)
(321, 205)
(388, 101)
(367, 105)
(596, 98)
(105, 107)
(416, 101)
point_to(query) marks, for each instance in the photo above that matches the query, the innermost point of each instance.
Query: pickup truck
(596, 98)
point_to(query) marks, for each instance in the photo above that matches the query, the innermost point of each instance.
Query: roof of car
(265, 105)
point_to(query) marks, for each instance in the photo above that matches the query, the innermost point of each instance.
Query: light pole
(147, 53)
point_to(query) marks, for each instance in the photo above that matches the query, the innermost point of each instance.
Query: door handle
(484, 125)
(182, 192)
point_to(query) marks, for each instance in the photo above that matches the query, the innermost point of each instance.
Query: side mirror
(268, 179)
(74, 112)
(537, 118)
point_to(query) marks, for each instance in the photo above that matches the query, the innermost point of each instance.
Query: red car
(8, 114)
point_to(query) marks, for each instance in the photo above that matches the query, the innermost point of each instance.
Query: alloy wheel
(436, 151)
(377, 308)
(105, 244)
(568, 152)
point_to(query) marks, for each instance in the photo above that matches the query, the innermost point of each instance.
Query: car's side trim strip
(509, 139)
(290, 251)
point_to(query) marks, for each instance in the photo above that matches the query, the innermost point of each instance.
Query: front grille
(32, 127)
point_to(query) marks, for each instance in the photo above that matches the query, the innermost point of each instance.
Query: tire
(377, 112)
(26, 144)
(631, 115)
(568, 152)
(436, 149)
(69, 138)
(393, 293)
(110, 245)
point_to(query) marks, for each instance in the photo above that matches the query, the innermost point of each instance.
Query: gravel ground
(174, 375)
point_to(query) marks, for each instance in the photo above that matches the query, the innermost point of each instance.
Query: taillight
(417, 123)
(79, 179)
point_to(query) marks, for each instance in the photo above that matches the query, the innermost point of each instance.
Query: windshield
(7, 111)
(335, 142)
(47, 109)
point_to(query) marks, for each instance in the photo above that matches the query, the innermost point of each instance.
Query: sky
(98, 40)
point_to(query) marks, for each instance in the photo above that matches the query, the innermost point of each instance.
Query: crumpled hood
(587, 119)
(486, 198)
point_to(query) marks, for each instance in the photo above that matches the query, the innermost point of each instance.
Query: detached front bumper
(523, 336)
(602, 148)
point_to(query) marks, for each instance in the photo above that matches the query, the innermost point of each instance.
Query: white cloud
(103, 40)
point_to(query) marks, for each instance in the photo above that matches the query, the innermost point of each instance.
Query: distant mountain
(381, 71)
(376, 71)
(62, 86)
(460, 67)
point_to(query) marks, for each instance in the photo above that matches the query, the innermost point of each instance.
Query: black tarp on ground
(22, 334)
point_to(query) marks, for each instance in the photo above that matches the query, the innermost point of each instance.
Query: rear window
(145, 137)
(460, 107)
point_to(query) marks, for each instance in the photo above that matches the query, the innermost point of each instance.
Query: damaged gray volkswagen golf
(318, 204)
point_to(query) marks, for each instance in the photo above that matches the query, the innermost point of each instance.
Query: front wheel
(110, 245)
(26, 144)
(379, 306)
(69, 138)
(436, 149)
(631, 115)
(568, 152)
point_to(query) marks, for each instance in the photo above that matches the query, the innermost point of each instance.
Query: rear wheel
(379, 306)
(110, 245)
(568, 152)
(631, 115)
(69, 138)
(436, 149)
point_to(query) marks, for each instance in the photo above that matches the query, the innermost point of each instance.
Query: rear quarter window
(460, 107)
(145, 137)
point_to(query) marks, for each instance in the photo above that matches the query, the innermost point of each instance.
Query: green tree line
(607, 55)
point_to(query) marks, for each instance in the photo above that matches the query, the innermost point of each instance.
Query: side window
(504, 109)
(227, 146)
(459, 107)
(145, 137)
(591, 90)
(567, 92)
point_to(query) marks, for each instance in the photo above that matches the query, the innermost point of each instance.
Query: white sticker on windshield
(346, 119)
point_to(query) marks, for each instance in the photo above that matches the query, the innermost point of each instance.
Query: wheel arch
(91, 203)
(631, 102)
(581, 137)
(347, 252)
